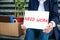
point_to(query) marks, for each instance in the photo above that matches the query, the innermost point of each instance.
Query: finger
(23, 27)
(50, 25)
(47, 30)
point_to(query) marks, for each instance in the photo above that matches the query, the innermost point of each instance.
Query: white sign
(36, 19)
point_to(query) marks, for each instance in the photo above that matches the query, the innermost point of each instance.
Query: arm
(54, 11)
(53, 15)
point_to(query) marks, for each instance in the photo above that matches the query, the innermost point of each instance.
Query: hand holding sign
(23, 27)
(49, 28)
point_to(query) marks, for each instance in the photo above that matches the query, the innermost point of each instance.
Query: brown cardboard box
(11, 29)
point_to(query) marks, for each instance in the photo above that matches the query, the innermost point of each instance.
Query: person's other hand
(49, 28)
(23, 27)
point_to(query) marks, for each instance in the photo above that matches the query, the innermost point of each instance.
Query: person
(43, 5)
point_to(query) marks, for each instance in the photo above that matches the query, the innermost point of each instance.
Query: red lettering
(29, 18)
(42, 20)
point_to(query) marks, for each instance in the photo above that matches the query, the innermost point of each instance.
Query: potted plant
(19, 9)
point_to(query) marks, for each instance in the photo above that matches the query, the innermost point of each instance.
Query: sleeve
(54, 11)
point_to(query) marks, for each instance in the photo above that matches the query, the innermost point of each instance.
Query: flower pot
(19, 19)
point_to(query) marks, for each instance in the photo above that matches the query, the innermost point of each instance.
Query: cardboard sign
(36, 19)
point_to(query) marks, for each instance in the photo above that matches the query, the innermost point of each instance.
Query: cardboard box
(11, 29)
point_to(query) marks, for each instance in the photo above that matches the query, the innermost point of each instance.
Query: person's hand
(23, 27)
(49, 28)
